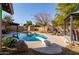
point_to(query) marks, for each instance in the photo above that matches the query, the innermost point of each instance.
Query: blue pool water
(30, 36)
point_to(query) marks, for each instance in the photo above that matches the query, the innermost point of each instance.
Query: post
(17, 32)
(64, 27)
(17, 28)
(0, 27)
(71, 29)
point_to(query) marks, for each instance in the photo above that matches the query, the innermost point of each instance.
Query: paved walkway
(60, 40)
(57, 42)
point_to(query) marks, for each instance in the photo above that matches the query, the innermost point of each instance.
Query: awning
(8, 7)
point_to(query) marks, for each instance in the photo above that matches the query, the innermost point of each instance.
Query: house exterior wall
(43, 29)
(3, 27)
(13, 28)
(40, 29)
(21, 28)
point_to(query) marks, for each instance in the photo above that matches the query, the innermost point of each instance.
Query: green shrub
(9, 42)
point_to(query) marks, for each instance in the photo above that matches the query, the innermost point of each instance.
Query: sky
(27, 11)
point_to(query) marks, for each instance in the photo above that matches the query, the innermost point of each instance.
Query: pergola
(70, 18)
(9, 9)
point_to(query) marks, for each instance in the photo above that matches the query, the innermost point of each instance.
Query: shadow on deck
(23, 49)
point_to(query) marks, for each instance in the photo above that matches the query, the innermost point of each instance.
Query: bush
(9, 42)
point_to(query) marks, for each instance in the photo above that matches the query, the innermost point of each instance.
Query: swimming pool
(31, 36)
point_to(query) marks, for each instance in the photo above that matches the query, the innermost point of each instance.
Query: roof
(8, 7)
(74, 14)
(11, 23)
(77, 12)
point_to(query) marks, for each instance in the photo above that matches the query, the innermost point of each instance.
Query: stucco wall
(13, 28)
(3, 27)
(40, 29)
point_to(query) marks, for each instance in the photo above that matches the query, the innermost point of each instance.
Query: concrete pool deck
(57, 42)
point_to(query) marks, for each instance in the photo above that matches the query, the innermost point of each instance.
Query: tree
(76, 23)
(67, 8)
(64, 9)
(42, 19)
(28, 23)
(59, 20)
(8, 19)
(54, 23)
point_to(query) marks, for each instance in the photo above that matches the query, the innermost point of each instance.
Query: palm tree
(64, 12)
(28, 24)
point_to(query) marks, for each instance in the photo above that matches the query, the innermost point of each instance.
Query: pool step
(34, 44)
(42, 40)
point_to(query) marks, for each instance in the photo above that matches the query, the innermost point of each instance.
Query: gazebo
(8, 8)
(70, 18)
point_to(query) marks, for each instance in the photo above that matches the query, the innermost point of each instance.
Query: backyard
(47, 29)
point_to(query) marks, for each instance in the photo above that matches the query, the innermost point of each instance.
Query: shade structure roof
(77, 12)
(8, 7)
(74, 14)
